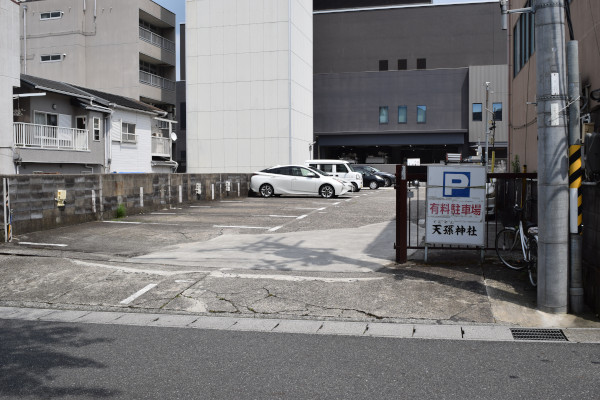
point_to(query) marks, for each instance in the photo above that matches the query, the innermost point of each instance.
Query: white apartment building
(249, 80)
(121, 47)
(9, 78)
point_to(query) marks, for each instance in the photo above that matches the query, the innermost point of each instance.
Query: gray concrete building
(396, 80)
(121, 47)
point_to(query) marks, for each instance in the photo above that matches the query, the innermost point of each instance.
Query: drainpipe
(575, 178)
(25, 39)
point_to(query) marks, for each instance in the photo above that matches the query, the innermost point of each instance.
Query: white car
(296, 180)
(340, 169)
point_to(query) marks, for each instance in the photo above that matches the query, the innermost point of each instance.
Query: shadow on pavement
(31, 355)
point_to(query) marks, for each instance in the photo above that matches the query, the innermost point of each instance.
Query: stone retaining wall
(93, 197)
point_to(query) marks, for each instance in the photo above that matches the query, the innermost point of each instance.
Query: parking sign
(455, 205)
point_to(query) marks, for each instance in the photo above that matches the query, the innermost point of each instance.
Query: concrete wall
(447, 36)
(9, 78)
(248, 71)
(96, 197)
(348, 104)
(591, 246)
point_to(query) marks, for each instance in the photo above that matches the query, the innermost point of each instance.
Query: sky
(178, 7)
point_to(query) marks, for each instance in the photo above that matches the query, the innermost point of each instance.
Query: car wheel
(327, 191)
(356, 188)
(388, 182)
(373, 185)
(266, 190)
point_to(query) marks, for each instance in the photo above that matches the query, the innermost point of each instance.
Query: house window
(402, 111)
(128, 133)
(383, 65)
(81, 122)
(383, 115)
(421, 114)
(96, 123)
(42, 118)
(51, 57)
(402, 64)
(421, 63)
(497, 109)
(51, 15)
(477, 115)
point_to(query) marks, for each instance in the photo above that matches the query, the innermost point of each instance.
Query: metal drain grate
(550, 335)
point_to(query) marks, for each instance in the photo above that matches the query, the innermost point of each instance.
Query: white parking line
(277, 216)
(275, 228)
(44, 244)
(231, 201)
(335, 204)
(138, 293)
(200, 206)
(307, 208)
(159, 213)
(302, 217)
(138, 223)
(241, 227)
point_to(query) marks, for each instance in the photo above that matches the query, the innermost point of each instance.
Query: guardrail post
(401, 216)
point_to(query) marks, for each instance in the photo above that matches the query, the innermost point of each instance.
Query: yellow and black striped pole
(575, 178)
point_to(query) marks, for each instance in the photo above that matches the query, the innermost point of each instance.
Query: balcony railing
(50, 137)
(161, 147)
(157, 81)
(157, 40)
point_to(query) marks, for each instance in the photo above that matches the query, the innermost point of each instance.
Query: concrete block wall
(591, 246)
(92, 197)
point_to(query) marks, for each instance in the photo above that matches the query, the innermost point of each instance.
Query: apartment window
(42, 118)
(383, 65)
(402, 112)
(421, 63)
(383, 115)
(51, 15)
(402, 64)
(96, 127)
(497, 110)
(523, 39)
(128, 133)
(477, 115)
(81, 122)
(421, 114)
(51, 57)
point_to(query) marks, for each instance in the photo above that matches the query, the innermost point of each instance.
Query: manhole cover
(551, 335)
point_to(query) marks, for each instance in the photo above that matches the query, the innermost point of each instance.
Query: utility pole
(553, 162)
(487, 128)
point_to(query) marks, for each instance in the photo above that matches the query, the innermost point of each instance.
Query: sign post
(455, 206)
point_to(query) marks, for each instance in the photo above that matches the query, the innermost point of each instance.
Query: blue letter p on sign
(456, 184)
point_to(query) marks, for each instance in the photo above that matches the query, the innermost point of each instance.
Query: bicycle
(517, 246)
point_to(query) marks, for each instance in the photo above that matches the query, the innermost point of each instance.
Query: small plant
(121, 211)
(516, 165)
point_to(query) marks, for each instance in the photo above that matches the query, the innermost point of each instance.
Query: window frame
(98, 129)
(423, 62)
(126, 135)
(46, 115)
(405, 114)
(402, 64)
(387, 115)
(494, 111)
(480, 112)
(51, 15)
(422, 109)
(384, 65)
(51, 56)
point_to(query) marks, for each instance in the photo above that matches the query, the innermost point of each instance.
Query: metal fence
(157, 81)
(506, 191)
(157, 40)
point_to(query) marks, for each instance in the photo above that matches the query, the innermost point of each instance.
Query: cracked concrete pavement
(327, 259)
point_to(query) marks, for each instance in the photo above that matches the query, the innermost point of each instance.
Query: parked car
(369, 179)
(340, 169)
(490, 198)
(388, 178)
(296, 180)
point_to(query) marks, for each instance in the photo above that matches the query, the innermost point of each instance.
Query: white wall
(9, 78)
(242, 69)
(131, 157)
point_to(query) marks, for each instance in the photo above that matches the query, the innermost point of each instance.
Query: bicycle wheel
(532, 244)
(508, 248)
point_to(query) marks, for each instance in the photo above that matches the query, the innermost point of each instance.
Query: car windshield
(350, 168)
(373, 169)
(318, 171)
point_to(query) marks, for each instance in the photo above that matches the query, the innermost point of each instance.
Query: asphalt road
(79, 361)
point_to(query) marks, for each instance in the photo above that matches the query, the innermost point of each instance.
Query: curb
(356, 329)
